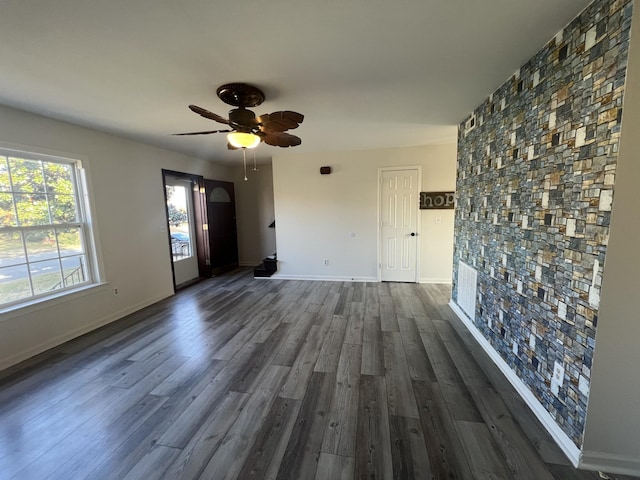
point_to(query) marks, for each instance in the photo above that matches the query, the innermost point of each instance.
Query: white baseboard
(322, 278)
(562, 439)
(610, 463)
(447, 281)
(60, 339)
(280, 276)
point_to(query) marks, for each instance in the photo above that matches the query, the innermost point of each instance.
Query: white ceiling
(366, 74)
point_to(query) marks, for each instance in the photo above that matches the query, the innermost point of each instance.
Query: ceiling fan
(247, 130)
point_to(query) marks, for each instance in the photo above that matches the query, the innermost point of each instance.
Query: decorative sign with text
(437, 200)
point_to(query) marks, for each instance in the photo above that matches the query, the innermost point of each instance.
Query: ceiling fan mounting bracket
(240, 95)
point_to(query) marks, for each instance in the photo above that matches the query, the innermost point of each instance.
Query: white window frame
(83, 222)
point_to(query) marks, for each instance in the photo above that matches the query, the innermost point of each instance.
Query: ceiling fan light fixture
(243, 140)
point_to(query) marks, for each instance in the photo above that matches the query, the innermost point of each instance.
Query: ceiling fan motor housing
(242, 119)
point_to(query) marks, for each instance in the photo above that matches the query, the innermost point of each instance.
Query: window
(43, 227)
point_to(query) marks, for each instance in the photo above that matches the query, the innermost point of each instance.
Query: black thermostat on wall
(325, 170)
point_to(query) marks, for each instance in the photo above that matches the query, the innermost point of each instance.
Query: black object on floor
(268, 267)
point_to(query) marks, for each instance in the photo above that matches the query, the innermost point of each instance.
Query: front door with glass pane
(221, 215)
(181, 229)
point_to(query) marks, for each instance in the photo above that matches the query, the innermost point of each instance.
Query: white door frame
(418, 219)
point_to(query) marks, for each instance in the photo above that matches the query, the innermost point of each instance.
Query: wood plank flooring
(274, 379)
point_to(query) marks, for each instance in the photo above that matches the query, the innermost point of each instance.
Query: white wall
(254, 212)
(126, 186)
(612, 431)
(316, 214)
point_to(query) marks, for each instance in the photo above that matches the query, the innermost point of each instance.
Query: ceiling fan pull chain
(244, 158)
(255, 166)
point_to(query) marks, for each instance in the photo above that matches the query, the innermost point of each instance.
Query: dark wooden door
(221, 217)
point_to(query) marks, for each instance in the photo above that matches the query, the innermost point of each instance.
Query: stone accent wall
(535, 183)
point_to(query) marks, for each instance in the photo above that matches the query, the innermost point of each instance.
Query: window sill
(35, 305)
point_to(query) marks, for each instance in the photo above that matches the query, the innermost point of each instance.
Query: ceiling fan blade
(273, 128)
(283, 140)
(280, 121)
(202, 133)
(207, 114)
(293, 116)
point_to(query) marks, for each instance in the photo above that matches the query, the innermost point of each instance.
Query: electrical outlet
(325, 261)
(115, 292)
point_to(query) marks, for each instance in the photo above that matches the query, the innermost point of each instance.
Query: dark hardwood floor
(243, 378)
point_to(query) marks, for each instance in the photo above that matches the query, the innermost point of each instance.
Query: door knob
(413, 234)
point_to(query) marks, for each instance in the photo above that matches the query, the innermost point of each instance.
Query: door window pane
(219, 195)
(177, 208)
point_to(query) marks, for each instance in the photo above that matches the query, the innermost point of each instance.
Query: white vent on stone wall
(470, 124)
(467, 285)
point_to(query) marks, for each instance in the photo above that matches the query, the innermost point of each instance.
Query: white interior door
(399, 192)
